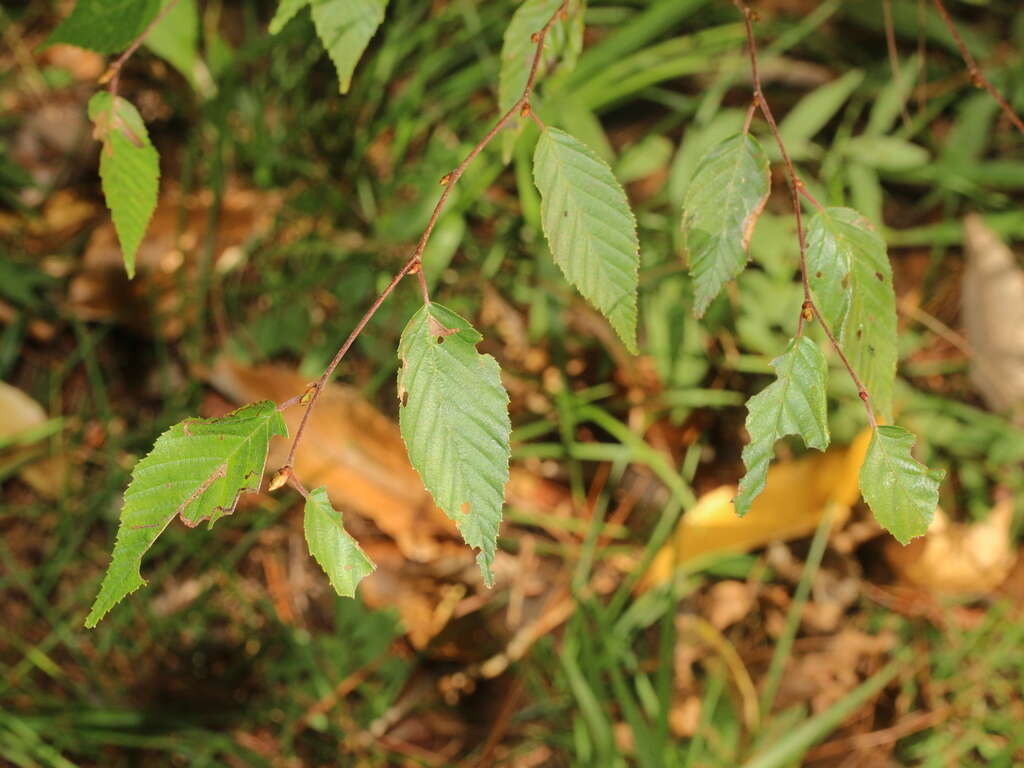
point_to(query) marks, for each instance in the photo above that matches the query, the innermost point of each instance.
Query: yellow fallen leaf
(957, 558)
(790, 507)
(22, 415)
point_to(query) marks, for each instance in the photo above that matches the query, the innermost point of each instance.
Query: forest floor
(635, 620)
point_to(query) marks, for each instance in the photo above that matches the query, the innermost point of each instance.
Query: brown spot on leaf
(751, 222)
(438, 330)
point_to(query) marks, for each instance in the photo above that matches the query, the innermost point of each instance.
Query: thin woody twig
(808, 309)
(414, 264)
(894, 54)
(114, 71)
(977, 76)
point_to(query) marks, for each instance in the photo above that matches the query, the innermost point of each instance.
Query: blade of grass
(788, 750)
(796, 609)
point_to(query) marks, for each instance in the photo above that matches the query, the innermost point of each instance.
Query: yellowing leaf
(795, 496)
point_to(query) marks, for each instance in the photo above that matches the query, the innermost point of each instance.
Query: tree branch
(808, 309)
(977, 76)
(414, 264)
(113, 74)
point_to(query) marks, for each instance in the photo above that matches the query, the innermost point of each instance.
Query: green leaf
(454, 421)
(793, 404)
(851, 280)
(176, 38)
(105, 26)
(196, 470)
(330, 545)
(722, 203)
(886, 153)
(591, 230)
(129, 170)
(286, 9)
(814, 110)
(901, 492)
(345, 28)
(562, 47)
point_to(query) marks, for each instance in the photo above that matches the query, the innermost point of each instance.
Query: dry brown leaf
(81, 64)
(957, 558)
(102, 290)
(823, 677)
(728, 602)
(44, 474)
(20, 412)
(992, 303)
(795, 497)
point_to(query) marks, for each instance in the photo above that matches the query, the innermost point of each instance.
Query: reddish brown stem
(796, 188)
(414, 264)
(794, 181)
(977, 76)
(894, 54)
(114, 72)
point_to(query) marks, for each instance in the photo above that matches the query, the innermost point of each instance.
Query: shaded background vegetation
(285, 207)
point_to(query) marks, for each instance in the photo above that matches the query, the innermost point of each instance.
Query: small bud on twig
(279, 479)
(307, 396)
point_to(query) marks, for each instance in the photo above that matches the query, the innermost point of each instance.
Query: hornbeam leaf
(176, 38)
(589, 225)
(286, 9)
(196, 470)
(129, 170)
(105, 26)
(851, 279)
(901, 492)
(562, 48)
(330, 545)
(454, 421)
(345, 28)
(793, 404)
(721, 207)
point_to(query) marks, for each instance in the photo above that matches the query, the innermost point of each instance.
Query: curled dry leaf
(957, 558)
(993, 315)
